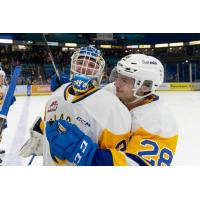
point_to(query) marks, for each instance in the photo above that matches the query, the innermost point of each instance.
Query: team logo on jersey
(83, 121)
(80, 84)
(53, 106)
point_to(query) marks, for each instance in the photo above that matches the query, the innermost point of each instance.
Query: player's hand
(34, 145)
(68, 142)
(55, 83)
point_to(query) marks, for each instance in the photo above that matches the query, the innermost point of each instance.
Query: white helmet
(2, 73)
(144, 69)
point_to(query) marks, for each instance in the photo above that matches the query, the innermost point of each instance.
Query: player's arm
(55, 83)
(143, 149)
(155, 149)
(34, 144)
(68, 142)
(113, 157)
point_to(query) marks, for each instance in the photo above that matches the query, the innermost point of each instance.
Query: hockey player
(3, 90)
(4, 106)
(154, 130)
(98, 113)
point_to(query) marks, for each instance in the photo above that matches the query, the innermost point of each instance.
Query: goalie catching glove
(34, 145)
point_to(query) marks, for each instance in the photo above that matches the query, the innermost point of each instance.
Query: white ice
(185, 106)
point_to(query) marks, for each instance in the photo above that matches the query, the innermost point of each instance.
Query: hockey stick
(31, 160)
(51, 57)
(8, 98)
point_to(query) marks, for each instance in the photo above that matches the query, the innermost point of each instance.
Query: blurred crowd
(37, 68)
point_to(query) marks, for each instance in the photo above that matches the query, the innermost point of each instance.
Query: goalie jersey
(98, 113)
(153, 141)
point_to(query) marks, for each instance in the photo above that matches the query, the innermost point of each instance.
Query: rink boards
(38, 90)
(32, 90)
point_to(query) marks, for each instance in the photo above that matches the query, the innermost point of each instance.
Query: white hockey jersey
(98, 113)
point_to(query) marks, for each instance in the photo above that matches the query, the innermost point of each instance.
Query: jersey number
(121, 146)
(155, 152)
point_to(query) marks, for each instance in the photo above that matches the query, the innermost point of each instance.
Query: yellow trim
(60, 162)
(20, 95)
(111, 140)
(77, 90)
(149, 99)
(42, 126)
(118, 158)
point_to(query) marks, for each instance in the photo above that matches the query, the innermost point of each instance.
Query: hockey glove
(34, 145)
(55, 84)
(68, 142)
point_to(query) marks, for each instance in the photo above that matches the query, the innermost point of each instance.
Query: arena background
(179, 53)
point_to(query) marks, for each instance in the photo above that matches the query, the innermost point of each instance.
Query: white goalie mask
(145, 70)
(88, 61)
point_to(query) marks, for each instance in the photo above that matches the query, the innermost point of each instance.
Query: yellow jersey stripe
(118, 158)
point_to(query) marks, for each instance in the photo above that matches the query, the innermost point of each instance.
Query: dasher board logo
(53, 106)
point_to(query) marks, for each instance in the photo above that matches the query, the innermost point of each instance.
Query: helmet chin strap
(138, 101)
(141, 97)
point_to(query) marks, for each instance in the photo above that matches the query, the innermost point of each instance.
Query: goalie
(97, 112)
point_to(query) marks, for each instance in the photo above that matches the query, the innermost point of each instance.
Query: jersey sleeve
(113, 157)
(156, 150)
(143, 149)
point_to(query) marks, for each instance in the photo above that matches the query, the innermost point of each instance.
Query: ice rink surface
(185, 106)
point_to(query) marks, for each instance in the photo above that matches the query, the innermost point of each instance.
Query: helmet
(88, 64)
(2, 73)
(143, 69)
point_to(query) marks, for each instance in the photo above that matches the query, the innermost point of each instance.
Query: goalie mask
(87, 68)
(142, 71)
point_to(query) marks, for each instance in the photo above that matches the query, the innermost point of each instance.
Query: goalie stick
(51, 56)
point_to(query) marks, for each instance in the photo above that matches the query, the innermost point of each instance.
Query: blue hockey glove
(68, 142)
(55, 82)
